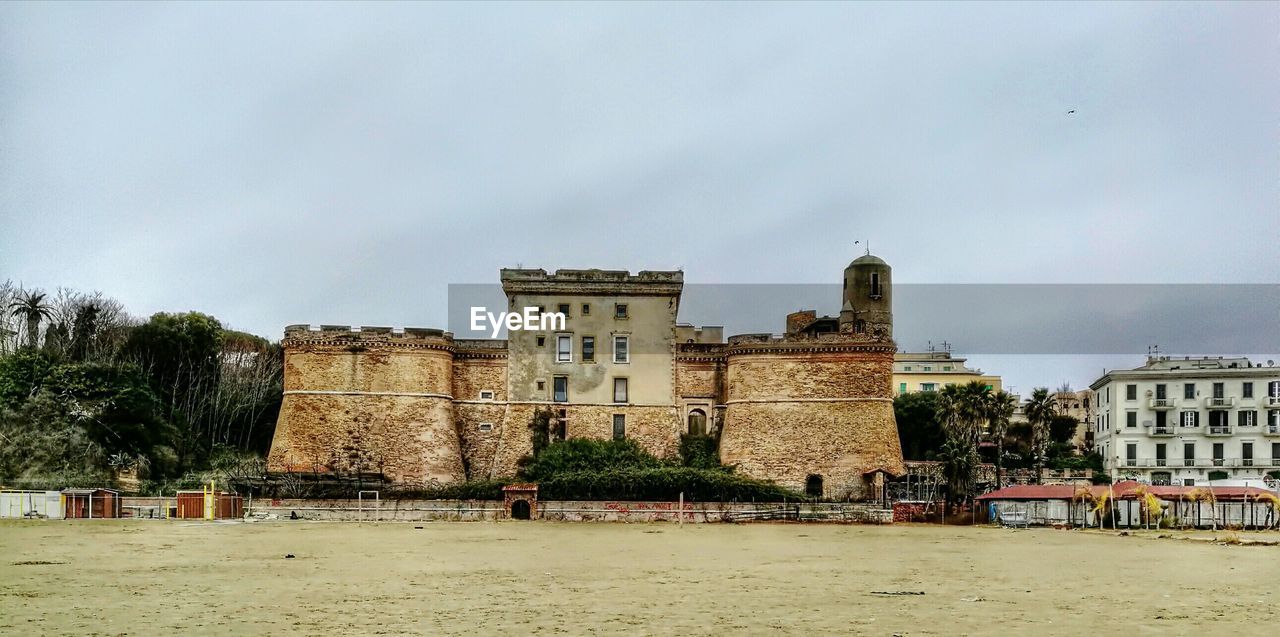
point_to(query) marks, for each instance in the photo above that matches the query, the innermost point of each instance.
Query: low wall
(557, 510)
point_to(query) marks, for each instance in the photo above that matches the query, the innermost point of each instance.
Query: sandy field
(153, 577)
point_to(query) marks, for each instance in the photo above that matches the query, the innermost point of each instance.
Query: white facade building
(1188, 420)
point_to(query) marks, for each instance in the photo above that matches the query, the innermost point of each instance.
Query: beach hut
(208, 505)
(90, 503)
(31, 504)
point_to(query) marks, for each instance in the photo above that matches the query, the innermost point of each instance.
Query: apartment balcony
(1220, 403)
(1272, 402)
(1271, 430)
(1161, 404)
(1218, 430)
(1158, 430)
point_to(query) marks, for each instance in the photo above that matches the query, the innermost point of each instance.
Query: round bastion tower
(868, 292)
(813, 410)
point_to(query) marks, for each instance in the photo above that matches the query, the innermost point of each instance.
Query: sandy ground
(147, 578)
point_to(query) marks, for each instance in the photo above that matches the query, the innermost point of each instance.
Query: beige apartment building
(931, 371)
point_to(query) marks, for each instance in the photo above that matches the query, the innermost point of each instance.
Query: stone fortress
(811, 409)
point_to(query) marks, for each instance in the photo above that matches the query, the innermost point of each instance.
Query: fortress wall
(826, 410)
(699, 377)
(370, 401)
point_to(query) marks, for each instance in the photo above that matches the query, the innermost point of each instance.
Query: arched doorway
(813, 486)
(697, 423)
(520, 510)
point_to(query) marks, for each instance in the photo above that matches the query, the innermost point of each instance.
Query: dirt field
(147, 578)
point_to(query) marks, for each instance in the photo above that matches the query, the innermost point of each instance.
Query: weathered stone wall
(371, 401)
(825, 408)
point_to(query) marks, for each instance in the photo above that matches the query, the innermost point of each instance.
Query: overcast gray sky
(292, 163)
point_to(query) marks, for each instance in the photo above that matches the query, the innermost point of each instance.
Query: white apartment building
(1188, 420)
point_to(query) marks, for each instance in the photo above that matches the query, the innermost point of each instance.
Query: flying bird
(1071, 112)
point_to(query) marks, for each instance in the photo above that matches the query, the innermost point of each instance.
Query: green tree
(179, 353)
(919, 429)
(1040, 410)
(32, 307)
(1000, 410)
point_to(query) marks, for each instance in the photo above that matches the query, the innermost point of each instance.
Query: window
(1189, 391)
(1218, 390)
(621, 353)
(619, 390)
(1248, 418)
(486, 426)
(1246, 453)
(928, 386)
(1130, 392)
(1131, 419)
(906, 368)
(619, 426)
(1162, 419)
(946, 368)
(1219, 421)
(586, 309)
(902, 388)
(1188, 454)
(542, 385)
(1246, 390)
(1273, 418)
(697, 423)
(1273, 389)
(928, 368)
(588, 349)
(620, 310)
(1161, 459)
(1161, 392)
(875, 285)
(1275, 453)
(564, 348)
(1217, 454)
(486, 394)
(562, 424)
(563, 308)
(560, 389)
(1190, 419)
(1188, 482)
(1131, 454)
(860, 326)
(542, 341)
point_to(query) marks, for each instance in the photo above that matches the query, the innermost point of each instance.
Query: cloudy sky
(289, 163)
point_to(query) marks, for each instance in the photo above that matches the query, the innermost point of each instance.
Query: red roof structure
(1122, 490)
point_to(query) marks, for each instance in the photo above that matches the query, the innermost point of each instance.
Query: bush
(700, 452)
(663, 483)
(585, 454)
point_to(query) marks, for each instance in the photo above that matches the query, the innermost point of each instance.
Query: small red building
(208, 505)
(90, 503)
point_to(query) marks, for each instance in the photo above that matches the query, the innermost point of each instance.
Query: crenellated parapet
(346, 336)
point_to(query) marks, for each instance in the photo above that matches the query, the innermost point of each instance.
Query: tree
(919, 429)
(32, 307)
(1040, 410)
(962, 410)
(1000, 410)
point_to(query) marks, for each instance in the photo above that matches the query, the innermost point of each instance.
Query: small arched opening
(520, 510)
(860, 326)
(813, 486)
(697, 423)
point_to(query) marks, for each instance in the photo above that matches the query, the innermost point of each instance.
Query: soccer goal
(369, 501)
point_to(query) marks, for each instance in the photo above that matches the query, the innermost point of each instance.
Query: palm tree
(1000, 408)
(31, 307)
(1040, 410)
